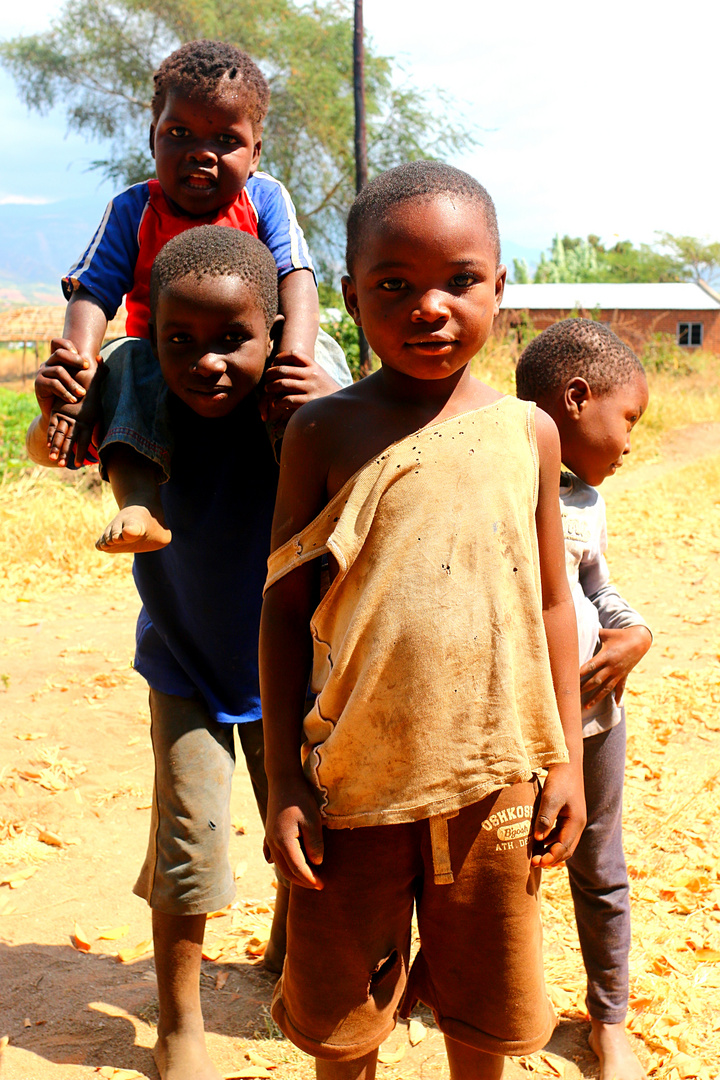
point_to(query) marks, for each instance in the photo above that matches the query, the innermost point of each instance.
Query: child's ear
(151, 140)
(500, 278)
(351, 300)
(576, 396)
(275, 333)
(257, 150)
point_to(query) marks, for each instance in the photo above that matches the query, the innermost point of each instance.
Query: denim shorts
(135, 399)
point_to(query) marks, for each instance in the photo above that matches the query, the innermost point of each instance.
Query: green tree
(699, 259)
(98, 57)
(574, 259)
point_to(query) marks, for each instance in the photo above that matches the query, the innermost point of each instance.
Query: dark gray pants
(598, 878)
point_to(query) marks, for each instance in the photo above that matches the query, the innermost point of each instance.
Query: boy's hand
(68, 395)
(292, 379)
(561, 815)
(609, 668)
(293, 832)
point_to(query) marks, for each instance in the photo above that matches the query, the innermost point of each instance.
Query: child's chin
(211, 408)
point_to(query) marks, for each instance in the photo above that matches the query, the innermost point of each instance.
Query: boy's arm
(561, 816)
(77, 396)
(294, 377)
(293, 828)
(625, 638)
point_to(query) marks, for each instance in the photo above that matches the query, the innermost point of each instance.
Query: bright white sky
(593, 118)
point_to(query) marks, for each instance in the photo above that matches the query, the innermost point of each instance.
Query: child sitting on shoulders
(594, 388)
(443, 656)
(213, 302)
(208, 109)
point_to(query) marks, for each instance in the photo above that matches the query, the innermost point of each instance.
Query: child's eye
(179, 339)
(392, 284)
(463, 281)
(179, 132)
(235, 337)
(228, 140)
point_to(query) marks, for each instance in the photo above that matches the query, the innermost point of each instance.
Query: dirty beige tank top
(430, 660)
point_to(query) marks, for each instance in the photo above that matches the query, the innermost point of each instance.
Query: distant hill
(39, 243)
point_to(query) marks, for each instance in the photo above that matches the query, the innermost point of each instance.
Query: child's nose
(210, 364)
(202, 153)
(431, 306)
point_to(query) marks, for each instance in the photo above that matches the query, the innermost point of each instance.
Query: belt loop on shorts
(442, 867)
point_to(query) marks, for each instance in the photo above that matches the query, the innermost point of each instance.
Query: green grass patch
(16, 412)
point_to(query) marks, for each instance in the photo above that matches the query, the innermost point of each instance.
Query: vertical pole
(361, 167)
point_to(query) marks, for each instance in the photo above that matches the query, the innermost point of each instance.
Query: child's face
(212, 342)
(204, 151)
(425, 286)
(597, 434)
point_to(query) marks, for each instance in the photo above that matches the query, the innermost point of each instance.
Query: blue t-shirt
(199, 624)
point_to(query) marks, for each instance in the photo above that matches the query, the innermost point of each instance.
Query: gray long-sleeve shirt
(598, 604)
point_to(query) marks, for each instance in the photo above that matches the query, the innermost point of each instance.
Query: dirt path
(75, 765)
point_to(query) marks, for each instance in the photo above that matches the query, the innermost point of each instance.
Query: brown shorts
(479, 967)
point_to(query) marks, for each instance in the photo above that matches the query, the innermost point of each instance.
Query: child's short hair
(199, 67)
(218, 251)
(415, 180)
(574, 348)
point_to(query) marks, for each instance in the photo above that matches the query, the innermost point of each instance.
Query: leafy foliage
(574, 259)
(16, 412)
(98, 58)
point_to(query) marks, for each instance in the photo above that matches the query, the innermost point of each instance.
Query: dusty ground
(75, 789)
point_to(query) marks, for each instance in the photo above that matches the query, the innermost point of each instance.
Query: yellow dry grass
(48, 528)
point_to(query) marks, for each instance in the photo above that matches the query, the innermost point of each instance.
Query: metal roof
(672, 296)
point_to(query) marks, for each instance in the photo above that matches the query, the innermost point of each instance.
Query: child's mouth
(199, 181)
(431, 346)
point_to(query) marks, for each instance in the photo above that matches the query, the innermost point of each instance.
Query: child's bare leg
(467, 1063)
(140, 523)
(360, 1069)
(180, 1052)
(275, 952)
(612, 1047)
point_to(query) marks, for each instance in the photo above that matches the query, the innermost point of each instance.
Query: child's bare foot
(610, 1043)
(134, 529)
(181, 1055)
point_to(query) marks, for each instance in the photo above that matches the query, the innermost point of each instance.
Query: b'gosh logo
(512, 824)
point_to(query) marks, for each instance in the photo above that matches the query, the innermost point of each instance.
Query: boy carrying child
(208, 109)
(443, 656)
(594, 388)
(213, 303)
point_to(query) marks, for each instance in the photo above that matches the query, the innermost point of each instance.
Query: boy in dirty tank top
(443, 657)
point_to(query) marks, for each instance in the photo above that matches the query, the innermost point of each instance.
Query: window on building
(690, 333)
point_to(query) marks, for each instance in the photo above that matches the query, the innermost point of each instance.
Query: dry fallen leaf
(30, 736)
(18, 879)
(392, 1057)
(707, 956)
(115, 933)
(257, 1059)
(416, 1032)
(80, 939)
(240, 869)
(27, 1022)
(239, 825)
(221, 978)
(50, 838)
(128, 956)
(247, 1074)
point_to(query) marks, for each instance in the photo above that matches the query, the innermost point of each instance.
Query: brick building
(688, 311)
